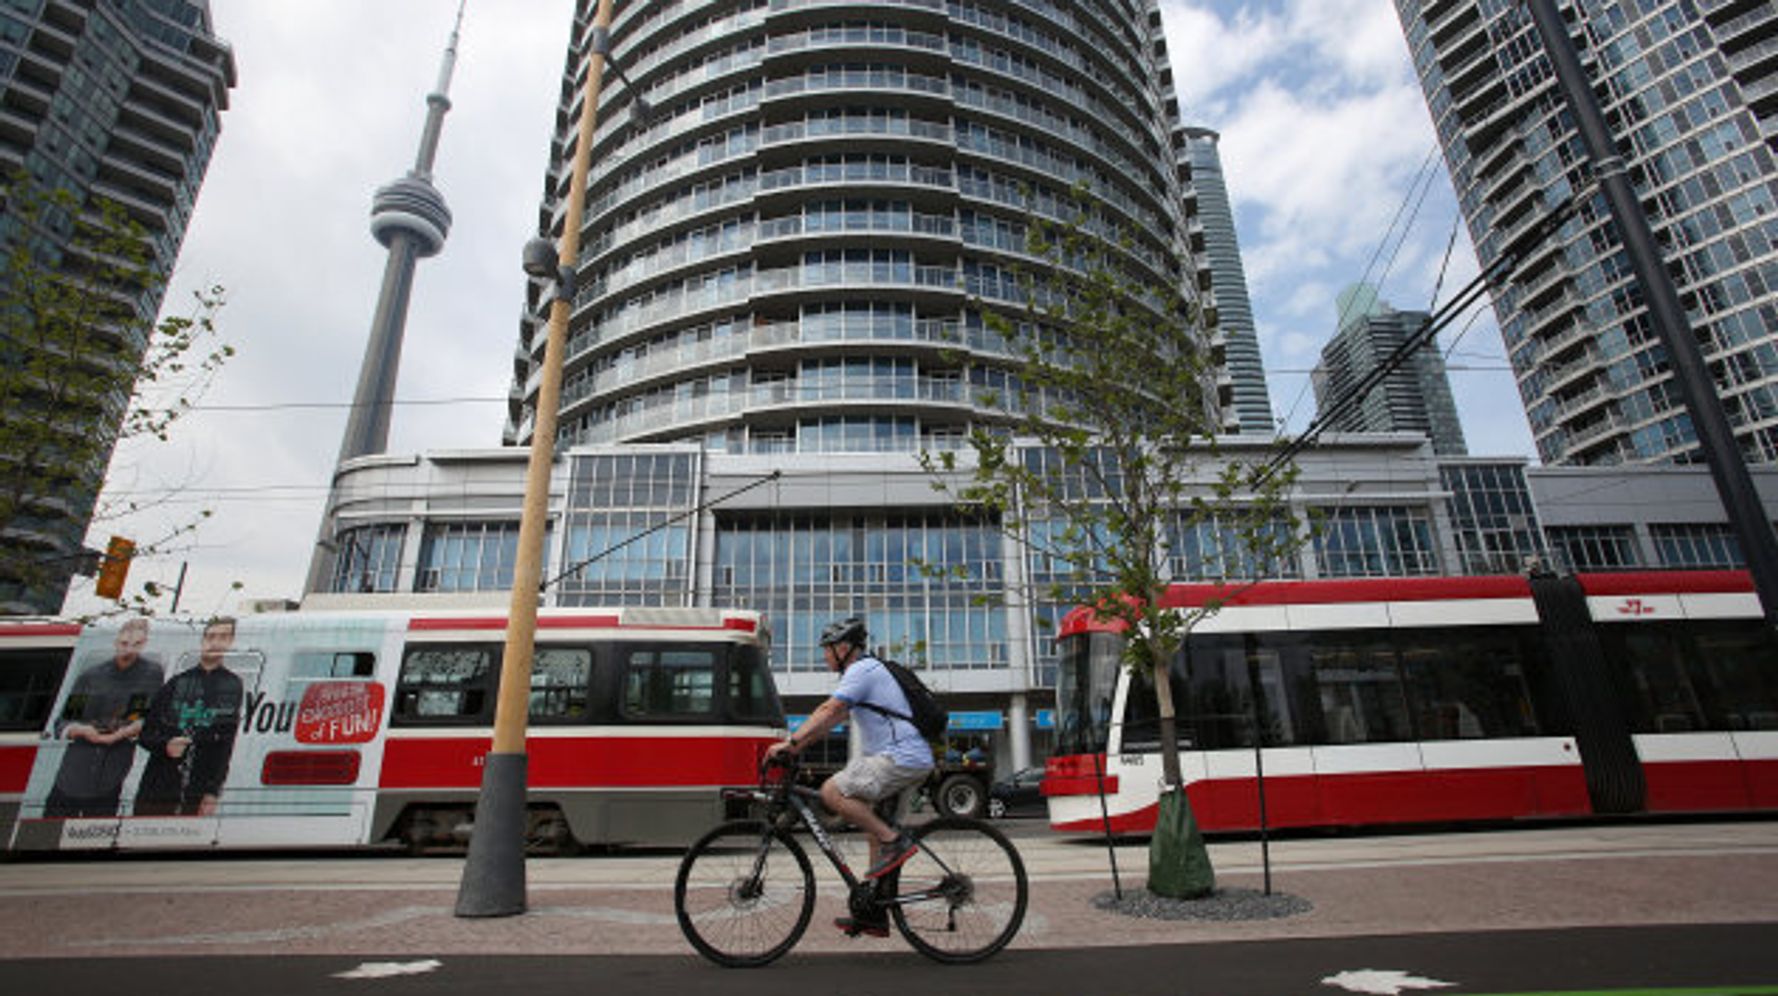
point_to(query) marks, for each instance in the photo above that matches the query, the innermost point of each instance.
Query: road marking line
(390, 969)
(1381, 981)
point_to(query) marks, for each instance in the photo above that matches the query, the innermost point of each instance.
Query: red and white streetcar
(1396, 701)
(357, 728)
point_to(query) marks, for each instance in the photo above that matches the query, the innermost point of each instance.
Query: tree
(83, 366)
(1109, 461)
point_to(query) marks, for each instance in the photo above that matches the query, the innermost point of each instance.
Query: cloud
(329, 107)
(1326, 143)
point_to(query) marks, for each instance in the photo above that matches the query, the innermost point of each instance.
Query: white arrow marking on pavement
(1381, 981)
(389, 969)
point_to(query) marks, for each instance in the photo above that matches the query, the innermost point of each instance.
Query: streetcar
(33, 661)
(349, 729)
(1429, 700)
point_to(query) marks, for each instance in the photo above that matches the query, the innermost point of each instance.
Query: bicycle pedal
(853, 928)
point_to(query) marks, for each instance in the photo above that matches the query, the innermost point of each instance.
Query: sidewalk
(1520, 879)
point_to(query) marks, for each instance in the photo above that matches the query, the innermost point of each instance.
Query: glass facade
(468, 556)
(1392, 541)
(1687, 87)
(1697, 546)
(629, 530)
(928, 584)
(113, 101)
(791, 254)
(369, 558)
(1493, 518)
(1594, 548)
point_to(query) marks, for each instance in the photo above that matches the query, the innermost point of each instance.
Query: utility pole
(1690, 373)
(493, 881)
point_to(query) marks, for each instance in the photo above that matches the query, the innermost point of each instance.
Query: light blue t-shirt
(867, 680)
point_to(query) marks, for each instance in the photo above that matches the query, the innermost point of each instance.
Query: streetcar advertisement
(182, 733)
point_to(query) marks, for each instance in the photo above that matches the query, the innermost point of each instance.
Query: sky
(1324, 134)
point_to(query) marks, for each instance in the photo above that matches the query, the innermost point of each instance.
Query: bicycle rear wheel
(962, 896)
(744, 894)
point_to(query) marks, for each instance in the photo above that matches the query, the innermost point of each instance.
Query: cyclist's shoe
(891, 856)
(873, 926)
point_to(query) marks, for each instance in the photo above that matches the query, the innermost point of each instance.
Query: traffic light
(115, 568)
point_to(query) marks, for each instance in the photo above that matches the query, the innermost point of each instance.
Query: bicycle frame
(741, 878)
(799, 803)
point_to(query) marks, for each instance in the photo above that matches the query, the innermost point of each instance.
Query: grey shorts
(875, 777)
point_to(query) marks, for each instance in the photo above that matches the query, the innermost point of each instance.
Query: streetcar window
(751, 692)
(1086, 679)
(1217, 705)
(1467, 683)
(445, 684)
(1739, 661)
(559, 684)
(1361, 694)
(313, 664)
(1662, 697)
(28, 683)
(662, 683)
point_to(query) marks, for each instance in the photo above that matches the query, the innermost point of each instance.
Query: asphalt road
(1694, 960)
(1644, 908)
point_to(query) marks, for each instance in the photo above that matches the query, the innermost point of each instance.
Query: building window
(928, 585)
(1213, 550)
(1491, 513)
(468, 556)
(368, 559)
(1594, 548)
(1386, 541)
(629, 539)
(1703, 546)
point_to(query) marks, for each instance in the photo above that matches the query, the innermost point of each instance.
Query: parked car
(1019, 794)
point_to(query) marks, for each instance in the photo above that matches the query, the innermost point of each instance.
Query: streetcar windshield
(1085, 683)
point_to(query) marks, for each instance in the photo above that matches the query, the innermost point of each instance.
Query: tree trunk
(1178, 862)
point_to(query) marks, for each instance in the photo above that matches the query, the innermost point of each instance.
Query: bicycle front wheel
(744, 894)
(962, 896)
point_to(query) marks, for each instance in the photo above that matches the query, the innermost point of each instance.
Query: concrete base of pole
(494, 874)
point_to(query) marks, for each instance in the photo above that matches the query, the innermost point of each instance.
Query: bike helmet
(848, 630)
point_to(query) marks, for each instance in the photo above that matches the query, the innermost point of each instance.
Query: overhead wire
(1506, 263)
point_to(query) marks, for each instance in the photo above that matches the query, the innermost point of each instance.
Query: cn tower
(410, 218)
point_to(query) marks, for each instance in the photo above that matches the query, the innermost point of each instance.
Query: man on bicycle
(895, 756)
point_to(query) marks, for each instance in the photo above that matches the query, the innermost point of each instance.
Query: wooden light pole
(494, 874)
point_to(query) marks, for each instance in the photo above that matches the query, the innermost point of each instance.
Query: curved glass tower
(1247, 400)
(792, 252)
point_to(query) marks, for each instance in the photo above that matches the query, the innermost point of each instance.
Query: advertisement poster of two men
(174, 718)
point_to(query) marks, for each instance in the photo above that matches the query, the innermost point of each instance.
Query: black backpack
(929, 716)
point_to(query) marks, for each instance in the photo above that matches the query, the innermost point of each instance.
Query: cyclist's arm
(826, 716)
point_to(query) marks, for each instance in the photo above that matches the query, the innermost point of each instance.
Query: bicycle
(745, 891)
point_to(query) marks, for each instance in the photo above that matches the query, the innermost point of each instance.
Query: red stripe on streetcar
(1697, 786)
(1666, 583)
(1341, 592)
(39, 629)
(15, 767)
(1229, 804)
(543, 622)
(571, 622)
(579, 762)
